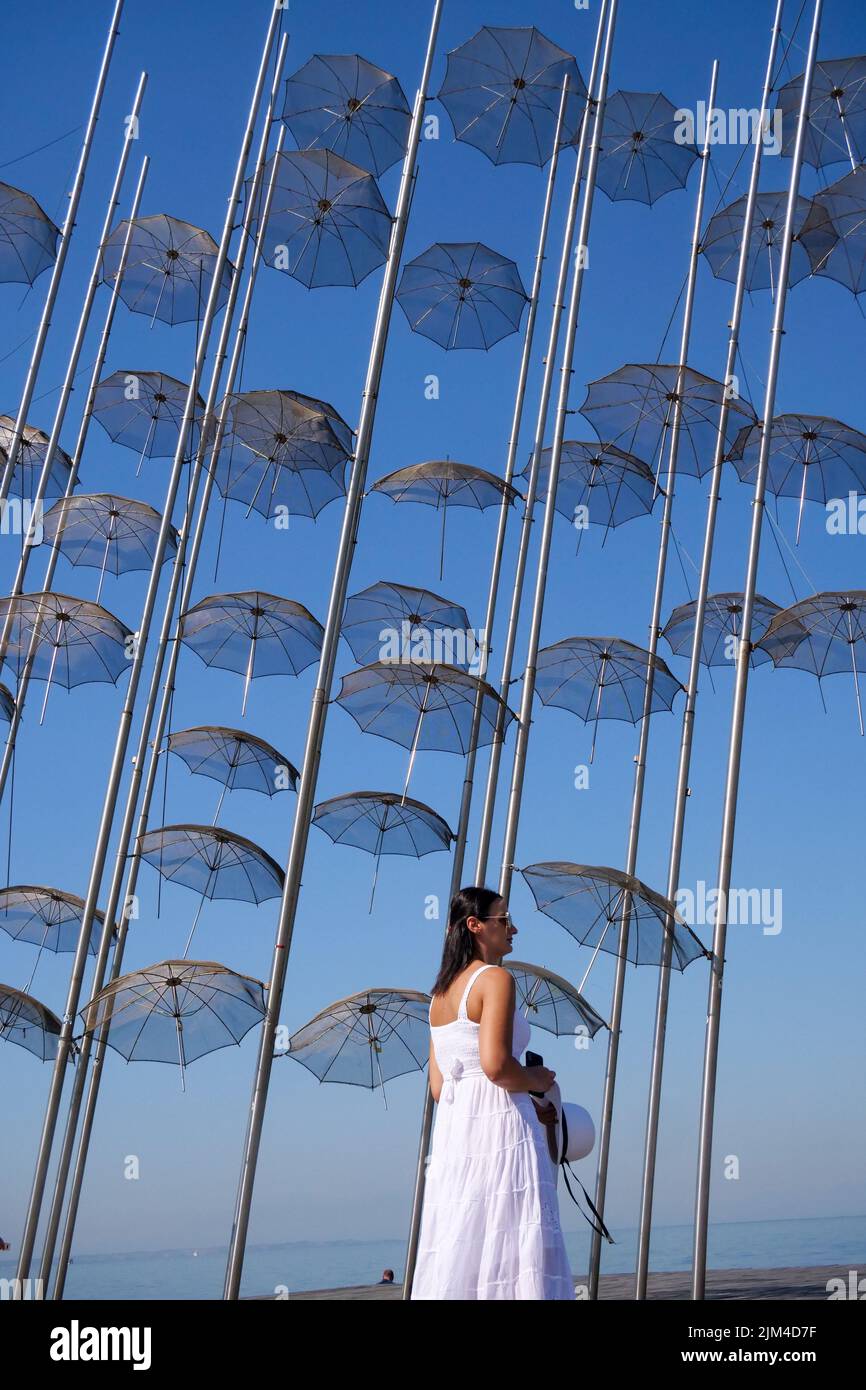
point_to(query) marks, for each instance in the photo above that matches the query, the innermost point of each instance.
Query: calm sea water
(182, 1274)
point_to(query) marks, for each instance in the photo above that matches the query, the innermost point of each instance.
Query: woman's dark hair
(459, 948)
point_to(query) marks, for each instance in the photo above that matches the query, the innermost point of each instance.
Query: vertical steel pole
(324, 679)
(525, 718)
(69, 378)
(136, 665)
(59, 264)
(150, 737)
(738, 715)
(486, 825)
(646, 716)
(525, 534)
(128, 864)
(687, 733)
(505, 507)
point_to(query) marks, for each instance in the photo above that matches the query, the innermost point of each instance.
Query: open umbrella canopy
(383, 823)
(28, 238)
(550, 1002)
(723, 620)
(502, 90)
(442, 482)
(78, 642)
(222, 628)
(213, 862)
(824, 634)
(462, 295)
(23, 1020)
(589, 901)
(814, 238)
(340, 102)
(328, 223)
(611, 485)
(31, 457)
(144, 411)
(170, 265)
(234, 758)
(812, 457)
(634, 407)
(420, 705)
(397, 622)
(175, 1011)
(46, 917)
(283, 448)
(641, 157)
(836, 129)
(366, 1039)
(845, 205)
(103, 531)
(603, 678)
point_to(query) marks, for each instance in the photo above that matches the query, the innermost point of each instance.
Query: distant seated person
(387, 1276)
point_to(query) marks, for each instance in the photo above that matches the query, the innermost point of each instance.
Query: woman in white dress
(490, 1224)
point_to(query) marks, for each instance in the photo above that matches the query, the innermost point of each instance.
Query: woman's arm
(435, 1075)
(495, 1037)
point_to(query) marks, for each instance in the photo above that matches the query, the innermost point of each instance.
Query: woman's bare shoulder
(497, 983)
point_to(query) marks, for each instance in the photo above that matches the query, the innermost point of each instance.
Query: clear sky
(335, 1163)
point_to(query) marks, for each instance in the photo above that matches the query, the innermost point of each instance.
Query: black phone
(534, 1060)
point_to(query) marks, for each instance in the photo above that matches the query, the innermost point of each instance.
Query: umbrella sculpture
(77, 642)
(106, 532)
(420, 705)
(720, 640)
(175, 1011)
(824, 634)
(382, 823)
(169, 268)
(366, 1039)
(598, 484)
(282, 449)
(46, 917)
(28, 238)
(642, 152)
(144, 411)
(845, 205)
(589, 899)
(443, 483)
(634, 408)
(328, 223)
(462, 295)
(837, 113)
(814, 239)
(253, 633)
(812, 458)
(603, 678)
(550, 1002)
(23, 1020)
(31, 456)
(213, 862)
(234, 758)
(502, 90)
(396, 622)
(340, 102)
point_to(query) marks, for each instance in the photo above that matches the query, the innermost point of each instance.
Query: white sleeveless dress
(490, 1224)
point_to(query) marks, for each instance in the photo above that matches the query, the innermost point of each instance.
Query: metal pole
(150, 737)
(486, 826)
(646, 716)
(321, 694)
(71, 371)
(505, 507)
(57, 270)
(688, 721)
(732, 785)
(136, 665)
(525, 534)
(566, 369)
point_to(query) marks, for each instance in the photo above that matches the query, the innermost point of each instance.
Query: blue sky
(334, 1162)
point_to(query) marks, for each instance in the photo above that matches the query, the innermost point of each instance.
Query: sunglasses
(503, 917)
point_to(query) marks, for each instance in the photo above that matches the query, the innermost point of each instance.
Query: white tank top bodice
(455, 1044)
